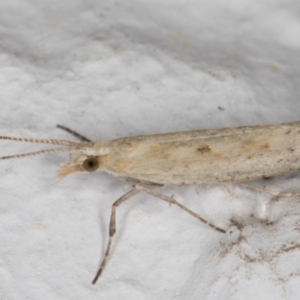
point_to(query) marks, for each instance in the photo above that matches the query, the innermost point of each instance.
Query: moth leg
(269, 192)
(74, 133)
(227, 188)
(112, 229)
(171, 200)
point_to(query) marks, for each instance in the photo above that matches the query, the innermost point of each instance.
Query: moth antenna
(74, 133)
(45, 151)
(40, 141)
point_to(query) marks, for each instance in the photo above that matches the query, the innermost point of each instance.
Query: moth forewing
(208, 156)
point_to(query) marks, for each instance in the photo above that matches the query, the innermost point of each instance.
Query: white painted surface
(111, 69)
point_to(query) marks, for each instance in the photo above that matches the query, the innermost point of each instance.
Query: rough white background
(119, 68)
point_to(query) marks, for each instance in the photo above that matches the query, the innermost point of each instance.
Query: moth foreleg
(112, 229)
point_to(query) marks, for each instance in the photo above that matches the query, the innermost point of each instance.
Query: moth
(207, 156)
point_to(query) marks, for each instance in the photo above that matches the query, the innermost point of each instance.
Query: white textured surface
(111, 69)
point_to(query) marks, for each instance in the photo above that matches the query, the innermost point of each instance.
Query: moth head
(84, 156)
(81, 164)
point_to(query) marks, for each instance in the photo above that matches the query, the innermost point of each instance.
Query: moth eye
(90, 164)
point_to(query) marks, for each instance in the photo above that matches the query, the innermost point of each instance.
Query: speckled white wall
(110, 69)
